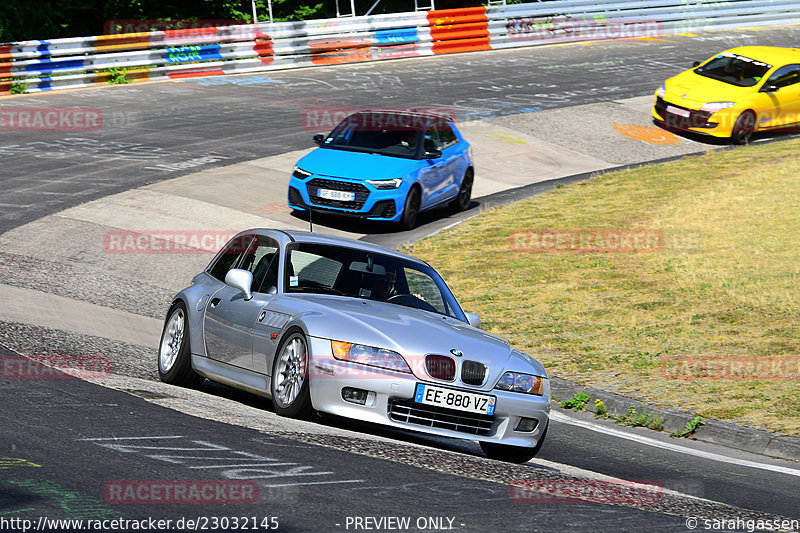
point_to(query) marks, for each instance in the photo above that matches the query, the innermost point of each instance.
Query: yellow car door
(783, 90)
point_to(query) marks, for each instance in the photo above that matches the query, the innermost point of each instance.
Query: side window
(230, 256)
(447, 137)
(259, 255)
(431, 139)
(785, 76)
(265, 265)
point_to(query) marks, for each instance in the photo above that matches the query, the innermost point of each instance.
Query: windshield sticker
(293, 281)
(746, 59)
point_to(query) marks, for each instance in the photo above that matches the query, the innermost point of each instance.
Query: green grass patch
(723, 284)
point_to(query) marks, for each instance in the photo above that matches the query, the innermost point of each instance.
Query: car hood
(411, 332)
(356, 165)
(701, 89)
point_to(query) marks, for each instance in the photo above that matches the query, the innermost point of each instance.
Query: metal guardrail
(85, 61)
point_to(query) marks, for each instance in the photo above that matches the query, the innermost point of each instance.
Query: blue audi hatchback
(386, 166)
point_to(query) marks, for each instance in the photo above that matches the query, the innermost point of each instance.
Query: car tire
(289, 384)
(464, 198)
(743, 128)
(512, 454)
(410, 210)
(174, 355)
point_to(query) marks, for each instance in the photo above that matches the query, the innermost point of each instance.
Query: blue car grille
(361, 193)
(409, 412)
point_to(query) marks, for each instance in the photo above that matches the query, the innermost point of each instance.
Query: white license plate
(455, 399)
(336, 195)
(677, 111)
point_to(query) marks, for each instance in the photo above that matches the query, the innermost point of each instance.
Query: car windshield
(391, 134)
(329, 269)
(734, 69)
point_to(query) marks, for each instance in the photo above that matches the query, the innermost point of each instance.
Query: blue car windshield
(329, 269)
(391, 134)
(734, 69)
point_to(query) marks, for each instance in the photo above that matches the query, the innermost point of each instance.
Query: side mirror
(319, 138)
(240, 279)
(432, 154)
(769, 88)
(473, 319)
(696, 64)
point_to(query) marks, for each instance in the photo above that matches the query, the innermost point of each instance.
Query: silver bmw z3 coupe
(335, 325)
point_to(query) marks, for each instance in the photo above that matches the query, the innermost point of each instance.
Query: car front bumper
(390, 402)
(719, 124)
(370, 203)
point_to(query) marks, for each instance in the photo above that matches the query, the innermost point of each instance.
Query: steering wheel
(409, 300)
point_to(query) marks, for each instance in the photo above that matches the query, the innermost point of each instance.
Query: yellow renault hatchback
(734, 94)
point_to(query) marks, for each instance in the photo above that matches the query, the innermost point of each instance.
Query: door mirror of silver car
(432, 154)
(473, 319)
(240, 279)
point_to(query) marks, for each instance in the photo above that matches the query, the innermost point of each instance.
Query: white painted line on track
(314, 483)
(564, 419)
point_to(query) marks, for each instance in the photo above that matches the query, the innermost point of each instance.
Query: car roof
(407, 112)
(323, 238)
(769, 54)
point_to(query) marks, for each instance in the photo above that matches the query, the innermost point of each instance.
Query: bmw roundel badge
(457, 353)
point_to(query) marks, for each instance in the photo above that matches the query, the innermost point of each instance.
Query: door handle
(214, 302)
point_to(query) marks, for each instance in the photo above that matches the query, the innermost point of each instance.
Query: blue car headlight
(525, 383)
(386, 184)
(369, 355)
(299, 173)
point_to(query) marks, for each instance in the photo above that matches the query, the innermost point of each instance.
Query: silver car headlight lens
(661, 91)
(517, 382)
(386, 184)
(299, 173)
(369, 355)
(713, 107)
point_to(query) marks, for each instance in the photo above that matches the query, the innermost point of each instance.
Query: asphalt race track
(214, 155)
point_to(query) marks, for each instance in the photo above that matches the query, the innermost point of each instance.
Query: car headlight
(299, 173)
(369, 355)
(386, 184)
(713, 107)
(516, 382)
(661, 91)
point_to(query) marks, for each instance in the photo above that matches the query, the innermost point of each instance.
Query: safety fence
(69, 63)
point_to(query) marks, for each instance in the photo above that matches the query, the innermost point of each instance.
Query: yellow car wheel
(743, 128)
